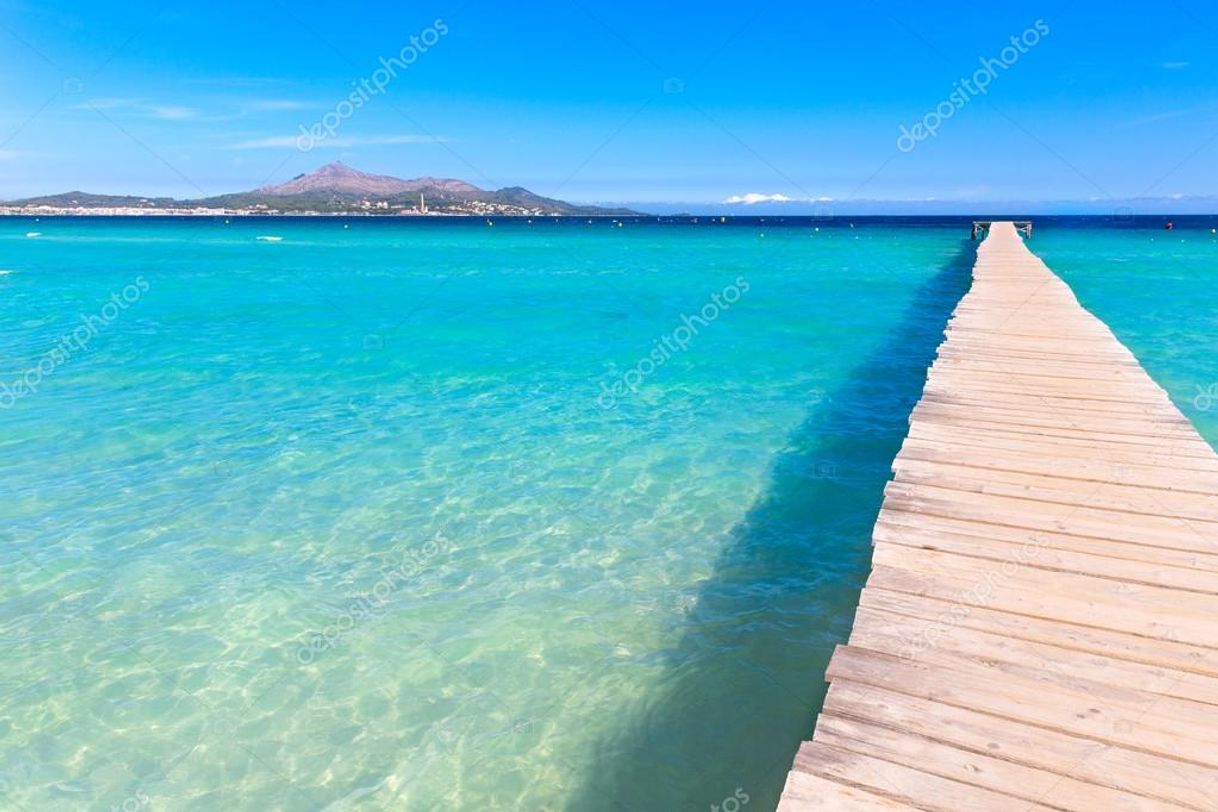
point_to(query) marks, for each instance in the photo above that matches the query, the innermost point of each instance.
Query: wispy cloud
(222, 110)
(1174, 65)
(1151, 119)
(225, 109)
(25, 154)
(281, 141)
(236, 81)
(167, 112)
(108, 103)
(277, 104)
(172, 113)
(756, 197)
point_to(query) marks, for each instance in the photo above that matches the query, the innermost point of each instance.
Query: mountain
(339, 178)
(87, 200)
(336, 188)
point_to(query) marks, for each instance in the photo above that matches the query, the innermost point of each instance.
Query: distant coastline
(44, 211)
(337, 190)
(332, 190)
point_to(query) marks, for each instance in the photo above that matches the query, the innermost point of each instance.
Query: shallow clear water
(400, 517)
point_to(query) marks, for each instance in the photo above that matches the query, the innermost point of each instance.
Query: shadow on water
(744, 684)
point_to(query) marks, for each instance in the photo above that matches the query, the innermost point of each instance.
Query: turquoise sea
(449, 515)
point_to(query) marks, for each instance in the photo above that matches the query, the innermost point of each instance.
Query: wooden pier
(1040, 627)
(1024, 227)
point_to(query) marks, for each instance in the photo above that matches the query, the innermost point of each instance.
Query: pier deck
(1040, 627)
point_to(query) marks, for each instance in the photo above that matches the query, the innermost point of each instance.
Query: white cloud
(1175, 65)
(112, 103)
(820, 203)
(173, 113)
(227, 109)
(1164, 116)
(277, 104)
(281, 141)
(168, 112)
(237, 81)
(267, 143)
(756, 197)
(7, 155)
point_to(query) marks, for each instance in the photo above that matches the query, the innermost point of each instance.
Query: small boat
(33, 233)
(269, 238)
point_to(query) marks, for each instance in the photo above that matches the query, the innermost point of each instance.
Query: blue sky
(628, 101)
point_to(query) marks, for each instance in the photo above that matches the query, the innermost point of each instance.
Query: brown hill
(338, 178)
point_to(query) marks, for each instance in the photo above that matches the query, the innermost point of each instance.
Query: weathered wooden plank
(1046, 487)
(967, 766)
(1164, 476)
(1031, 598)
(1159, 423)
(1137, 773)
(1166, 440)
(1138, 528)
(890, 515)
(1041, 553)
(1162, 430)
(1095, 446)
(943, 615)
(927, 791)
(805, 791)
(961, 439)
(1061, 595)
(878, 630)
(1153, 723)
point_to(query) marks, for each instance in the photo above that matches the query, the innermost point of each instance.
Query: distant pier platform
(1040, 627)
(982, 227)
